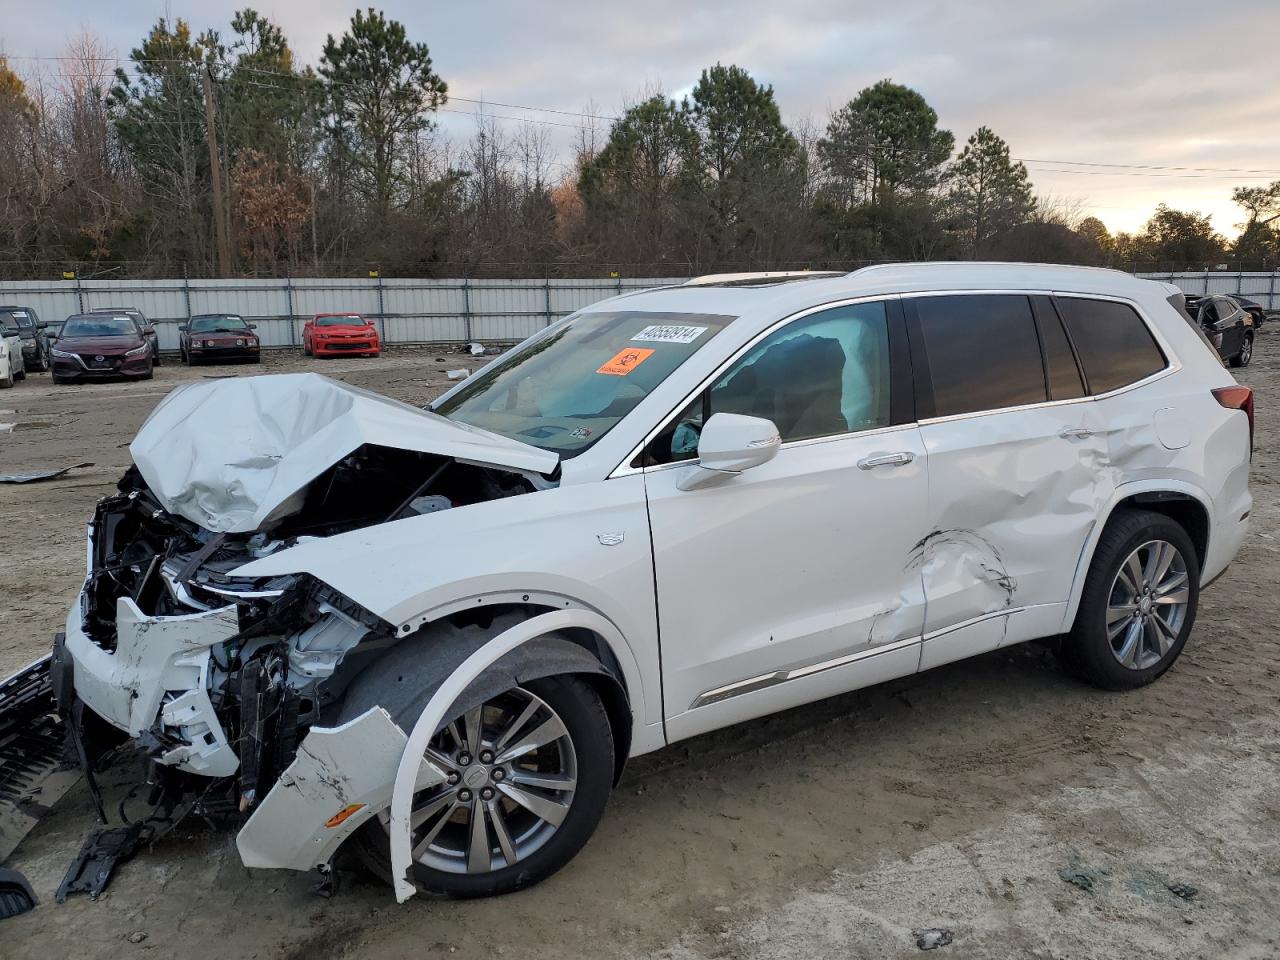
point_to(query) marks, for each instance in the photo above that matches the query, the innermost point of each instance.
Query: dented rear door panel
(1013, 497)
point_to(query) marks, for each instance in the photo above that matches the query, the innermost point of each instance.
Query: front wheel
(1139, 602)
(529, 773)
(1242, 358)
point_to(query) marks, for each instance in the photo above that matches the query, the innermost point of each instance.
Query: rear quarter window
(1113, 343)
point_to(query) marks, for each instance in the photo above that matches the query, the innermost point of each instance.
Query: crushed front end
(213, 676)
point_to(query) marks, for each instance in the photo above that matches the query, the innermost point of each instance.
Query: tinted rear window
(983, 352)
(1114, 345)
(1059, 361)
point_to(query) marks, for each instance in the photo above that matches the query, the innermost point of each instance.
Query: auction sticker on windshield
(669, 333)
(624, 361)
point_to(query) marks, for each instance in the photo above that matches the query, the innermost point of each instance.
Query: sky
(1147, 84)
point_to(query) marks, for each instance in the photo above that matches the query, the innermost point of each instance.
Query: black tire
(583, 714)
(21, 374)
(155, 357)
(1242, 358)
(306, 349)
(1086, 648)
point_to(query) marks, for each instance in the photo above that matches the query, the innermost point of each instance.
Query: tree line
(217, 153)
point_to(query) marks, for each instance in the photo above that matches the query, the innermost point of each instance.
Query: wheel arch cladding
(1182, 508)
(403, 679)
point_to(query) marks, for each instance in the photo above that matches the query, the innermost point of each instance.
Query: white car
(12, 366)
(440, 635)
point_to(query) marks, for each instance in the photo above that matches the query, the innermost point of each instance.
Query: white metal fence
(417, 311)
(1262, 287)
(405, 311)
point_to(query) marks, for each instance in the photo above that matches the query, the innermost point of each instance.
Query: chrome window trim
(1172, 363)
(625, 469)
(1172, 366)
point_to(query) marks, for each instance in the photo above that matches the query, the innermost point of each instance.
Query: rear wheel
(1139, 602)
(529, 773)
(1242, 358)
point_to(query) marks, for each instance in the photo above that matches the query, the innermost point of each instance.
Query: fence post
(466, 308)
(79, 294)
(186, 290)
(288, 292)
(546, 289)
(1271, 291)
(382, 316)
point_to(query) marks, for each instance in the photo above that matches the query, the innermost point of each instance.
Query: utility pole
(215, 174)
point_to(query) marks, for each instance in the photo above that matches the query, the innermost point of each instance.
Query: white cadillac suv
(440, 634)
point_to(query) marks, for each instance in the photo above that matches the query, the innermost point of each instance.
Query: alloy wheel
(1148, 604)
(511, 773)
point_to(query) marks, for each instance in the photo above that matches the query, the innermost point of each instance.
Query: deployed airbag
(229, 454)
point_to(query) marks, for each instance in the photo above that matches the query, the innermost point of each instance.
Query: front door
(792, 581)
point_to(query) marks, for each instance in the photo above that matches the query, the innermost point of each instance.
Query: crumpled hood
(227, 453)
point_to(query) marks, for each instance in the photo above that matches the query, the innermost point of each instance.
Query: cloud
(1109, 82)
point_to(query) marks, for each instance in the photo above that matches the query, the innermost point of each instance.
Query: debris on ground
(1183, 891)
(1082, 875)
(34, 768)
(16, 895)
(37, 475)
(136, 937)
(476, 349)
(458, 374)
(102, 852)
(933, 938)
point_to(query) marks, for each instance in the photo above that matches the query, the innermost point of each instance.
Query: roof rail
(711, 279)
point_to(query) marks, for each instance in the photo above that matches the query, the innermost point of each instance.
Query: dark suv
(35, 347)
(1227, 325)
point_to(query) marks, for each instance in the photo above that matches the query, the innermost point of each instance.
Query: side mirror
(182, 328)
(731, 443)
(149, 330)
(253, 326)
(41, 325)
(51, 335)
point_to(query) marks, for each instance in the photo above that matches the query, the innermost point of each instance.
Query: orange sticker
(624, 361)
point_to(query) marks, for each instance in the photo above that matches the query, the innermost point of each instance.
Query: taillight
(1237, 398)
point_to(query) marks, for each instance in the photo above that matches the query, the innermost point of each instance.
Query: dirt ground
(998, 799)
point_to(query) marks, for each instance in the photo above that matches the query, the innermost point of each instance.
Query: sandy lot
(999, 799)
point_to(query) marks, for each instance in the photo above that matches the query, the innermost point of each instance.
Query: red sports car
(334, 334)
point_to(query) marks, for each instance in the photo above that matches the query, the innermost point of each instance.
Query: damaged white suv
(440, 635)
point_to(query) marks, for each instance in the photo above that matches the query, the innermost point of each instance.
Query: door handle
(886, 460)
(1075, 433)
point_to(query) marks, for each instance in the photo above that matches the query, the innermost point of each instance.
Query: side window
(1059, 362)
(1114, 345)
(823, 375)
(983, 352)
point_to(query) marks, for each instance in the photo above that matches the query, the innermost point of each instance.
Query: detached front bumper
(155, 683)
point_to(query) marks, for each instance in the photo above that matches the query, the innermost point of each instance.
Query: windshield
(567, 387)
(347, 320)
(227, 322)
(24, 319)
(103, 326)
(9, 324)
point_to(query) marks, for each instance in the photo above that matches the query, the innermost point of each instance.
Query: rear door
(1015, 452)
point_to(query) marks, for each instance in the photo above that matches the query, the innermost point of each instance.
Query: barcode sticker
(669, 333)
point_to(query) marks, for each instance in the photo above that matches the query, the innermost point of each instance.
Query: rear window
(1114, 345)
(983, 352)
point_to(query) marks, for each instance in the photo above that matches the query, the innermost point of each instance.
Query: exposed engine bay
(279, 650)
